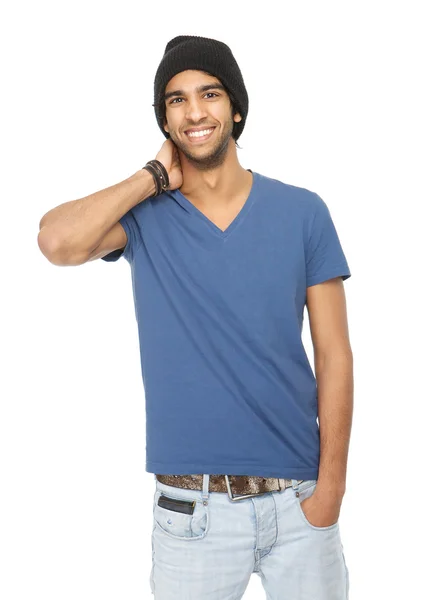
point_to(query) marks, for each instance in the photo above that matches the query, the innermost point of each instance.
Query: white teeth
(200, 133)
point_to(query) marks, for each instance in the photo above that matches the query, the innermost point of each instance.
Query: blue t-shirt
(228, 385)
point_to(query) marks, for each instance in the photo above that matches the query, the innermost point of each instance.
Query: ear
(237, 117)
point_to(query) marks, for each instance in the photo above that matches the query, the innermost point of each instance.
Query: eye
(174, 101)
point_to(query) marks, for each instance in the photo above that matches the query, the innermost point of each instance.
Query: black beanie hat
(203, 54)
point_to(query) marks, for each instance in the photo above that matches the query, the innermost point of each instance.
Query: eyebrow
(201, 88)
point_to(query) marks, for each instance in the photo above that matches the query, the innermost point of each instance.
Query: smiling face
(195, 100)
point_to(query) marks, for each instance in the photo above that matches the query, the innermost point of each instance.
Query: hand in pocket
(321, 511)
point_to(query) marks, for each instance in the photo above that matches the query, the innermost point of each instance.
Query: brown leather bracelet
(160, 175)
(156, 178)
(161, 167)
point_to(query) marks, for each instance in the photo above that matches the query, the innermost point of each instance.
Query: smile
(200, 136)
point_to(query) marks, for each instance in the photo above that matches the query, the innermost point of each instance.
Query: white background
(340, 104)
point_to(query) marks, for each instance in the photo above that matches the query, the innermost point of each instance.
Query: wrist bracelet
(160, 168)
(160, 175)
(157, 163)
(155, 176)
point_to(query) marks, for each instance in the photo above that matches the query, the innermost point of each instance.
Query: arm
(70, 232)
(334, 374)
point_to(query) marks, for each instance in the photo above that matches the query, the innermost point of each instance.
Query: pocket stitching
(180, 537)
(303, 516)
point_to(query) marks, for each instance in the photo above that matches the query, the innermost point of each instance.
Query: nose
(196, 111)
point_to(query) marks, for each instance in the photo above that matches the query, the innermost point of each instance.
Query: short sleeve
(131, 227)
(325, 258)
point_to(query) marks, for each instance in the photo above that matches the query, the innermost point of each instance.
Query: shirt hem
(339, 271)
(239, 469)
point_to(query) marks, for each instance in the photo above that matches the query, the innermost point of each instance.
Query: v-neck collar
(192, 209)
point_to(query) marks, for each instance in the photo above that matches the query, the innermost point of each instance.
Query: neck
(218, 185)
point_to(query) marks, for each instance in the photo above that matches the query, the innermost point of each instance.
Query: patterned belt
(245, 486)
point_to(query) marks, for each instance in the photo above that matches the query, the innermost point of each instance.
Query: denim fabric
(212, 553)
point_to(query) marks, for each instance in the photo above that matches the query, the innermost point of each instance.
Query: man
(223, 262)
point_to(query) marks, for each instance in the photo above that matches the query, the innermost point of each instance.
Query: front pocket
(305, 492)
(180, 518)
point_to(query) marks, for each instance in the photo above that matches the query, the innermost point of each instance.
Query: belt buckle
(240, 496)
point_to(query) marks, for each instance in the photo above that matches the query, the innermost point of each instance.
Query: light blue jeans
(212, 553)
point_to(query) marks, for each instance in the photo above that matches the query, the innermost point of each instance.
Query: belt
(245, 486)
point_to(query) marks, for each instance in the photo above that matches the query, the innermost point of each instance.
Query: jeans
(212, 553)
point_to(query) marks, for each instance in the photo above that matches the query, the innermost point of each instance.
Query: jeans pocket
(306, 489)
(180, 518)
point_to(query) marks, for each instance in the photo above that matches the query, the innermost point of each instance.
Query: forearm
(335, 385)
(79, 226)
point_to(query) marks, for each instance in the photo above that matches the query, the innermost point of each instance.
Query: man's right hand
(169, 157)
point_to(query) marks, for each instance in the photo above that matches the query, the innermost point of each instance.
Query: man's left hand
(321, 509)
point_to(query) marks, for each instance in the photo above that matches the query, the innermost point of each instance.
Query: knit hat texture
(203, 54)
